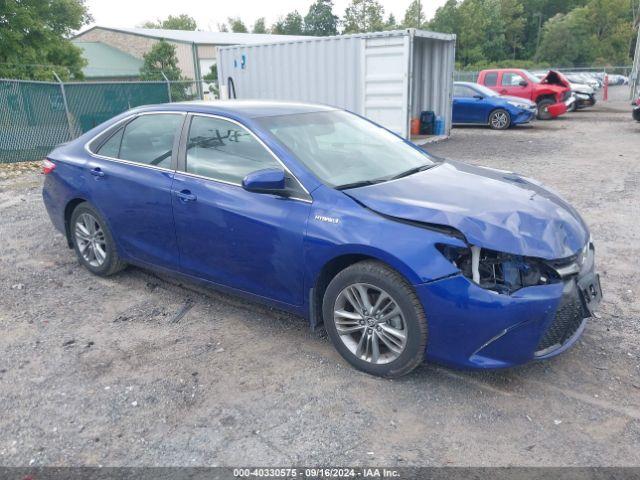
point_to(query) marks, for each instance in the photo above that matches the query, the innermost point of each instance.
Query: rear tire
(499, 119)
(93, 242)
(375, 320)
(543, 109)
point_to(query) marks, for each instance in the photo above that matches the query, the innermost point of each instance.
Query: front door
(468, 107)
(227, 235)
(129, 179)
(514, 84)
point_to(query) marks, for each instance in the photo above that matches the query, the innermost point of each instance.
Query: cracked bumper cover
(471, 327)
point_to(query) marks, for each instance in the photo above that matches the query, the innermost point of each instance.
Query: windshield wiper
(413, 170)
(362, 183)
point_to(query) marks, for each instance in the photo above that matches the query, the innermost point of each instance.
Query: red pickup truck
(552, 94)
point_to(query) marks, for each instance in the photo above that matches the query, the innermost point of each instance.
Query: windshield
(344, 150)
(530, 76)
(487, 92)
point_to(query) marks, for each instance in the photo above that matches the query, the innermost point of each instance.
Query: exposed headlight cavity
(500, 272)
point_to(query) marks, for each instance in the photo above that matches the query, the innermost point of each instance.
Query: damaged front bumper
(560, 108)
(584, 100)
(472, 327)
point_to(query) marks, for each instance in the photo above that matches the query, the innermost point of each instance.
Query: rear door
(129, 177)
(246, 240)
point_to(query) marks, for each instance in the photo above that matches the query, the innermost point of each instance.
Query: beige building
(196, 51)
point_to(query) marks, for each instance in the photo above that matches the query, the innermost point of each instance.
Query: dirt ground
(109, 372)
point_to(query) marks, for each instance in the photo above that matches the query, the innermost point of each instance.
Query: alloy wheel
(499, 120)
(90, 239)
(370, 323)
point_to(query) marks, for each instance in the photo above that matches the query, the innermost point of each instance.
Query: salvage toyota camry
(320, 212)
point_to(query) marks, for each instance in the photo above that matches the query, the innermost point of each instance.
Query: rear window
(491, 79)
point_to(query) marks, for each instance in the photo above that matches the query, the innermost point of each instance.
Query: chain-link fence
(37, 116)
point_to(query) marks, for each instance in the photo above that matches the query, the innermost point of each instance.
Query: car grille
(567, 321)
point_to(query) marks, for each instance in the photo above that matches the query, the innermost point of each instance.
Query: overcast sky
(208, 14)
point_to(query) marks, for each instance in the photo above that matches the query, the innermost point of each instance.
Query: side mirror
(478, 97)
(523, 83)
(268, 180)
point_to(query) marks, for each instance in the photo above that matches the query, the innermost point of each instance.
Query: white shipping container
(388, 77)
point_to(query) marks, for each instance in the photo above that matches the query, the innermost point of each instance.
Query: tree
(162, 59)
(481, 32)
(391, 23)
(34, 38)
(446, 18)
(259, 26)
(211, 78)
(292, 24)
(600, 32)
(414, 16)
(320, 20)
(512, 13)
(566, 39)
(536, 13)
(222, 27)
(237, 25)
(179, 22)
(363, 16)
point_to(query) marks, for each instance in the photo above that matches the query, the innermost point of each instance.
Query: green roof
(106, 61)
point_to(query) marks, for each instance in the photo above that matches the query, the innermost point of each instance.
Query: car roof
(242, 108)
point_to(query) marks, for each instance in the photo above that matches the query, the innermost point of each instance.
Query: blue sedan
(475, 104)
(322, 213)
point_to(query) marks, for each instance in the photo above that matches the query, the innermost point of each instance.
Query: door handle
(503, 91)
(97, 172)
(186, 196)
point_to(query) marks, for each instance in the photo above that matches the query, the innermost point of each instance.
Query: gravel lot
(142, 370)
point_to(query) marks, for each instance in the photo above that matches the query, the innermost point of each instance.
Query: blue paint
(469, 110)
(272, 249)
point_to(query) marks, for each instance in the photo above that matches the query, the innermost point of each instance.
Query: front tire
(499, 119)
(93, 242)
(375, 320)
(543, 109)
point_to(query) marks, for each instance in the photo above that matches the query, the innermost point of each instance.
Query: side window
(462, 91)
(511, 79)
(491, 79)
(111, 148)
(148, 139)
(222, 150)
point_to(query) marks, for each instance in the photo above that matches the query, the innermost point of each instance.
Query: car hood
(582, 88)
(493, 209)
(520, 100)
(555, 78)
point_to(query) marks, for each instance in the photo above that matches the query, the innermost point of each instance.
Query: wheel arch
(334, 265)
(68, 211)
(546, 96)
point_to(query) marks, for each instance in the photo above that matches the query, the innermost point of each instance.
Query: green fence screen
(37, 116)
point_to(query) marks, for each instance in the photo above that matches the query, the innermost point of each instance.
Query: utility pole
(539, 15)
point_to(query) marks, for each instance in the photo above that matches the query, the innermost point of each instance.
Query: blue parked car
(322, 213)
(475, 104)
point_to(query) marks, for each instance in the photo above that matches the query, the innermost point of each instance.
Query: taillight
(47, 166)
